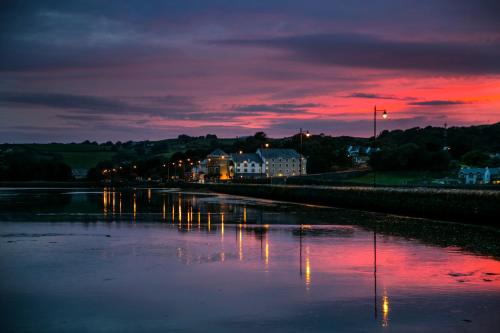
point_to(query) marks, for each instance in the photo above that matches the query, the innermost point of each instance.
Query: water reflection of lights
(266, 256)
(164, 210)
(208, 221)
(135, 207)
(222, 225)
(245, 215)
(240, 244)
(173, 213)
(114, 202)
(199, 219)
(308, 269)
(120, 205)
(385, 310)
(105, 202)
(149, 195)
(179, 213)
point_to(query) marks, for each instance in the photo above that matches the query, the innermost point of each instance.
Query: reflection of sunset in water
(342, 253)
(314, 268)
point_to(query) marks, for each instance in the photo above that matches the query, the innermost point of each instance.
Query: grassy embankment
(396, 178)
(468, 206)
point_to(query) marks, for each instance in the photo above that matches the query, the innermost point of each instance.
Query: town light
(384, 115)
(267, 145)
(308, 134)
(241, 151)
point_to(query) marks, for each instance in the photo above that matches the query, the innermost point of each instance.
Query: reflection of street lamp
(384, 115)
(301, 149)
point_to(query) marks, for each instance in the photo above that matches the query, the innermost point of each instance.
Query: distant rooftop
(249, 157)
(218, 153)
(277, 153)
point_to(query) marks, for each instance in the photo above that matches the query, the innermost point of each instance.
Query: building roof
(218, 153)
(278, 153)
(493, 171)
(250, 157)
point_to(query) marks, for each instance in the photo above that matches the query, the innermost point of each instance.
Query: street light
(384, 115)
(301, 150)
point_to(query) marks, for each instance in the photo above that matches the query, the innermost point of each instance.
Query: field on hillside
(87, 155)
(395, 178)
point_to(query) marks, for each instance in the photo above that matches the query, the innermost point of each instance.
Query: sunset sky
(136, 70)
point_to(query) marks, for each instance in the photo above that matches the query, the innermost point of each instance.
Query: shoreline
(473, 207)
(470, 206)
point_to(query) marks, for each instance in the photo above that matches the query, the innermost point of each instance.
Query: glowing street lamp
(307, 134)
(384, 115)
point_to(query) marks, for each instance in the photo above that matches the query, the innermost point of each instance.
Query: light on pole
(384, 115)
(301, 149)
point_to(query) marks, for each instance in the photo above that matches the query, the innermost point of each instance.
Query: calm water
(78, 260)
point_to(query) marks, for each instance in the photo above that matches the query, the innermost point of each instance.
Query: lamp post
(263, 165)
(384, 115)
(301, 149)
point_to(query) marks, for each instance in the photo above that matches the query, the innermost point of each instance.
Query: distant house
(199, 171)
(247, 165)
(282, 162)
(360, 155)
(470, 175)
(79, 173)
(219, 165)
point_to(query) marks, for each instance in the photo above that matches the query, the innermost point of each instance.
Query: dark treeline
(21, 164)
(437, 148)
(428, 149)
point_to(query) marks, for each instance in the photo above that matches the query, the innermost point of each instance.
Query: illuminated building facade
(282, 162)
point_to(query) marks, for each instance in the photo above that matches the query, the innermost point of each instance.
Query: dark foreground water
(79, 260)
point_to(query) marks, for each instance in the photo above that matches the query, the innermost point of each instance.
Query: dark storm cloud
(368, 51)
(437, 103)
(64, 101)
(377, 96)
(170, 106)
(277, 108)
